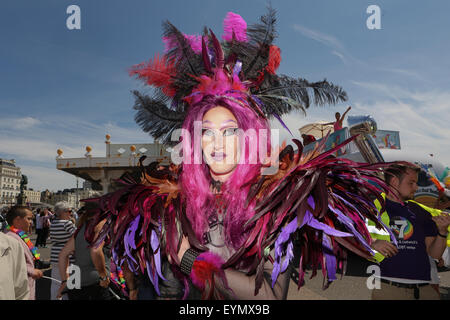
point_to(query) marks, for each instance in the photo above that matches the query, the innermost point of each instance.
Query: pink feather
(233, 23)
(195, 41)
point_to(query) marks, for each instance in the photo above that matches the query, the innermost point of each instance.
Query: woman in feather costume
(218, 225)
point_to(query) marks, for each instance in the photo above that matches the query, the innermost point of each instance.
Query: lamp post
(76, 196)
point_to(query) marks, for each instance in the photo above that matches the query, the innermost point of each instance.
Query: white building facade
(68, 197)
(32, 196)
(10, 177)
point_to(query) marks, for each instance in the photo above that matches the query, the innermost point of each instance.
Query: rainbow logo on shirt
(402, 228)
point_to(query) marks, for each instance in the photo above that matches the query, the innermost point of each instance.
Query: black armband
(188, 260)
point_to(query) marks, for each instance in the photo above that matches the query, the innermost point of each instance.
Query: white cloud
(27, 122)
(19, 123)
(295, 120)
(384, 90)
(41, 178)
(338, 48)
(323, 38)
(364, 67)
(340, 56)
(31, 149)
(421, 117)
(403, 72)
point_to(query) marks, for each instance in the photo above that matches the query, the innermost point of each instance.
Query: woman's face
(220, 142)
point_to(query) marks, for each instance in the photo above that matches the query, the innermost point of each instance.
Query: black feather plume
(156, 118)
(254, 54)
(274, 94)
(187, 62)
(299, 94)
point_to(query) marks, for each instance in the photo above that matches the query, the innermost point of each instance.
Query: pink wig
(196, 179)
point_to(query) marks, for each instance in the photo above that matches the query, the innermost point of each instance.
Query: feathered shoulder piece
(318, 202)
(241, 66)
(143, 218)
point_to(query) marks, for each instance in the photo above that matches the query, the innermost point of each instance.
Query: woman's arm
(63, 259)
(130, 281)
(436, 245)
(345, 113)
(243, 285)
(98, 258)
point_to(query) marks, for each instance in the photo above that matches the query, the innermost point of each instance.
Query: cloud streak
(323, 38)
(337, 46)
(421, 117)
(41, 178)
(19, 123)
(339, 50)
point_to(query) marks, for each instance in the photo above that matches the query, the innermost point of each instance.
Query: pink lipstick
(218, 156)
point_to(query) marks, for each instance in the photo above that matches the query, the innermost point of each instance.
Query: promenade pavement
(350, 287)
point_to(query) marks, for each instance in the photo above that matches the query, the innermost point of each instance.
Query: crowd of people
(408, 267)
(20, 222)
(59, 226)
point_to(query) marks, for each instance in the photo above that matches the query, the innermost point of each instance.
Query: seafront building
(32, 196)
(102, 172)
(10, 177)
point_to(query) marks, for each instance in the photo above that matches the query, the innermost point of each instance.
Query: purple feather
(282, 123)
(349, 224)
(275, 272)
(153, 277)
(292, 227)
(289, 256)
(131, 266)
(237, 68)
(379, 220)
(314, 223)
(330, 259)
(154, 241)
(325, 228)
(128, 239)
(114, 255)
(282, 238)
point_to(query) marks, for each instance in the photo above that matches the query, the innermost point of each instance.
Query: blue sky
(66, 89)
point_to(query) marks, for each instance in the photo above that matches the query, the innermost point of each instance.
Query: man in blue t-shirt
(405, 273)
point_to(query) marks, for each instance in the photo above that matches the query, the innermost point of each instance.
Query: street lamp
(76, 194)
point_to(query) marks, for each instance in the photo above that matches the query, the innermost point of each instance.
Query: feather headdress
(242, 67)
